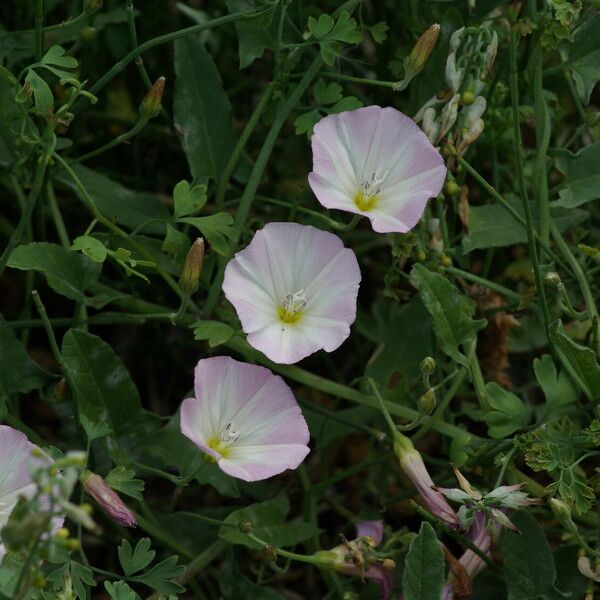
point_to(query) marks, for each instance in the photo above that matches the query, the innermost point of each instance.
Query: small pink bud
(108, 500)
(192, 268)
(150, 106)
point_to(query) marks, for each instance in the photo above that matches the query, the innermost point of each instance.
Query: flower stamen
(366, 197)
(292, 307)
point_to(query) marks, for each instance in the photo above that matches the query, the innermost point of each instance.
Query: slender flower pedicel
(375, 162)
(245, 418)
(294, 289)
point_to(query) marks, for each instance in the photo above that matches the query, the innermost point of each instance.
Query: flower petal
(372, 529)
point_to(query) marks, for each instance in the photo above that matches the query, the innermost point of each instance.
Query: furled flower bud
(473, 111)
(413, 466)
(427, 366)
(150, 106)
(490, 53)
(470, 135)
(453, 75)
(552, 279)
(430, 127)
(455, 39)
(562, 512)
(585, 568)
(108, 500)
(421, 51)
(449, 114)
(426, 403)
(192, 268)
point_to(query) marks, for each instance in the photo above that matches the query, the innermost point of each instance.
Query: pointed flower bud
(426, 403)
(413, 466)
(108, 499)
(562, 512)
(421, 51)
(454, 76)
(430, 127)
(150, 106)
(192, 268)
(449, 114)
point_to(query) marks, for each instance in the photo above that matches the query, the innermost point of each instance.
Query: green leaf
(305, 122)
(451, 311)
(188, 199)
(322, 27)
(118, 203)
(138, 559)
(529, 570)
(67, 273)
(327, 93)
(214, 331)
(215, 228)
(94, 249)
(558, 388)
(491, 226)
(18, 373)
(346, 30)
(56, 55)
(423, 575)
(81, 577)
(582, 175)
(176, 244)
(509, 413)
(579, 361)
(160, 577)
(202, 110)
(254, 33)
(347, 103)
(267, 520)
(235, 585)
(119, 590)
(379, 32)
(107, 400)
(42, 94)
(584, 56)
(123, 480)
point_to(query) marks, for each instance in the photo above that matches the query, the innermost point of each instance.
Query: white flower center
(224, 440)
(292, 307)
(366, 196)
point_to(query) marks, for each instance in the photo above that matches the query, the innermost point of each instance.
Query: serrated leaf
(18, 373)
(138, 559)
(346, 30)
(123, 480)
(423, 575)
(305, 122)
(558, 388)
(268, 522)
(57, 56)
(579, 360)
(160, 576)
(347, 103)
(215, 228)
(106, 398)
(509, 413)
(450, 311)
(202, 110)
(529, 570)
(327, 93)
(94, 249)
(188, 200)
(119, 590)
(379, 32)
(42, 94)
(80, 575)
(214, 331)
(322, 27)
(582, 175)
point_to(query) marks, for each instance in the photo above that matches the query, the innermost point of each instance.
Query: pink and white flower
(294, 289)
(375, 162)
(245, 418)
(16, 463)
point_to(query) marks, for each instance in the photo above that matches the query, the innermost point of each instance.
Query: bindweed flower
(358, 557)
(294, 289)
(413, 466)
(19, 458)
(494, 503)
(483, 535)
(375, 162)
(108, 500)
(245, 418)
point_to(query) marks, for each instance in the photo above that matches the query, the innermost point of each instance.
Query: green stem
(48, 326)
(485, 283)
(376, 82)
(286, 554)
(255, 177)
(207, 520)
(36, 189)
(59, 223)
(542, 136)
(580, 277)
(239, 148)
(39, 20)
(384, 410)
(477, 376)
(518, 147)
(114, 228)
(516, 216)
(163, 39)
(120, 139)
(139, 61)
